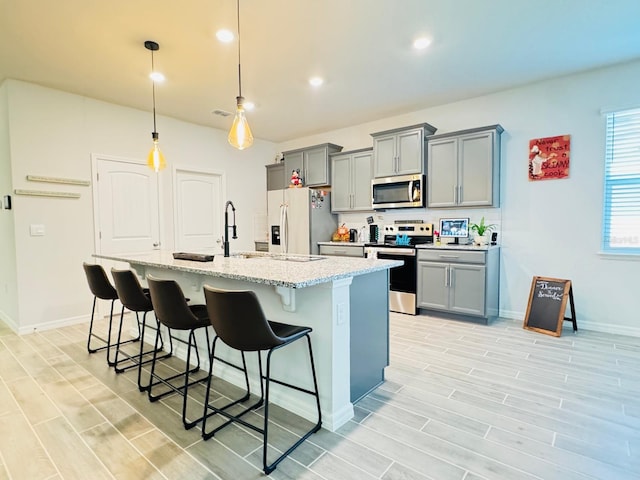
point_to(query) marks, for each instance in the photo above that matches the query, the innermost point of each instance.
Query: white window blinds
(621, 232)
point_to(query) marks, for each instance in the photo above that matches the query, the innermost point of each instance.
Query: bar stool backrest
(99, 283)
(238, 319)
(170, 304)
(130, 291)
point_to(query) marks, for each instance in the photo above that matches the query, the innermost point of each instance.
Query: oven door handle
(403, 252)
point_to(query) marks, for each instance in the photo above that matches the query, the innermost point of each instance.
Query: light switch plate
(36, 230)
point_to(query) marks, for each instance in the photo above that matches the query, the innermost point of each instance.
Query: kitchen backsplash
(358, 220)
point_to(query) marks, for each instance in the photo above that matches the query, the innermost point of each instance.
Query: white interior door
(198, 210)
(126, 206)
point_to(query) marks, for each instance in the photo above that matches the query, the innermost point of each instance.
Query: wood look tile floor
(461, 402)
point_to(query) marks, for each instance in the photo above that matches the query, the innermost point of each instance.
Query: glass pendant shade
(240, 134)
(155, 159)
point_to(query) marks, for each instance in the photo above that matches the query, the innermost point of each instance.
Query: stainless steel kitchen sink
(294, 258)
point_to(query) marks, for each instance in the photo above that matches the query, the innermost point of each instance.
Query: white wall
(54, 133)
(8, 275)
(548, 228)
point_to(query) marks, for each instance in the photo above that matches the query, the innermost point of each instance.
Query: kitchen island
(344, 300)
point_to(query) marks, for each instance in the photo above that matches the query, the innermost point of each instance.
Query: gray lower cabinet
(463, 168)
(400, 151)
(345, 250)
(351, 174)
(312, 163)
(459, 282)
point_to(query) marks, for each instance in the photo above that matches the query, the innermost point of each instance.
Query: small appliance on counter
(373, 233)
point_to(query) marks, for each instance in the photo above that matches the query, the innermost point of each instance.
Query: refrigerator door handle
(285, 228)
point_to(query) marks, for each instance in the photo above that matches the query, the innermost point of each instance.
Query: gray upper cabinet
(400, 151)
(351, 174)
(276, 176)
(312, 162)
(463, 168)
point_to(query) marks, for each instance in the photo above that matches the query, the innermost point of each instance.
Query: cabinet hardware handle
(449, 256)
(459, 194)
(455, 194)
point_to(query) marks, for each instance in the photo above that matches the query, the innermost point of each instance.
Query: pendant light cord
(239, 72)
(153, 92)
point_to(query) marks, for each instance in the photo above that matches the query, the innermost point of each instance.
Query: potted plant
(481, 229)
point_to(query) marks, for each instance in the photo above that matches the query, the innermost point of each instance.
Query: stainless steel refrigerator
(298, 219)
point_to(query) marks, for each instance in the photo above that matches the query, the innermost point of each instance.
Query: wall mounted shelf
(65, 181)
(42, 193)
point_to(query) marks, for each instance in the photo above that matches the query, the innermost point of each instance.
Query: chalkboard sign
(547, 304)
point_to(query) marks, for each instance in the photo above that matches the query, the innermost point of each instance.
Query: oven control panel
(409, 229)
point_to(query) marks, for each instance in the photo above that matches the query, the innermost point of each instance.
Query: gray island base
(344, 300)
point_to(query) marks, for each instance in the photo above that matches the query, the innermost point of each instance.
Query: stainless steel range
(398, 242)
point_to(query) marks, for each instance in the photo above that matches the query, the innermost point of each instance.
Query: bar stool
(239, 322)
(102, 289)
(136, 299)
(172, 311)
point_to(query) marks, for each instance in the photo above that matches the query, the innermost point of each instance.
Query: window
(621, 229)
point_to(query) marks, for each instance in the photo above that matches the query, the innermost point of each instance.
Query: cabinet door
(316, 167)
(410, 152)
(341, 183)
(362, 171)
(467, 289)
(384, 153)
(433, 291)
(276, 177)
(442, 168)
(475, 169)
(293, 161)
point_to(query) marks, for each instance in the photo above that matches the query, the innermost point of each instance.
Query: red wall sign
(549, 158)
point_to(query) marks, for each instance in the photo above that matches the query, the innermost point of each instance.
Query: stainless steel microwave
(403, 191)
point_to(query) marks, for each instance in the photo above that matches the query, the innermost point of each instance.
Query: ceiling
(361, 47)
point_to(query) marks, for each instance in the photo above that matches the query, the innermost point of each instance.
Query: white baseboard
(63, 322)
(583, 325)
(8, 321)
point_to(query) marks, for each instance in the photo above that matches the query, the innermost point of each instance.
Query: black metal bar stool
(138, 300)
(239, 322)
(172, 311)
(102, 289)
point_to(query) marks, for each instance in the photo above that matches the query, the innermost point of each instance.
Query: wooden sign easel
(547, 304)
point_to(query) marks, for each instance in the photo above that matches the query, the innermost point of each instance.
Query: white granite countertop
(262, 267)
(443, 246)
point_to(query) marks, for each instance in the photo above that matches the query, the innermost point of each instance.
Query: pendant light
(155, 159)
(240, 133)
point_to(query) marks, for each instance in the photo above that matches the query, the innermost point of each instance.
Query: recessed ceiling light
(156, 77)
(225, 36)
(316, 81)
(220, 112)
(421, 43)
